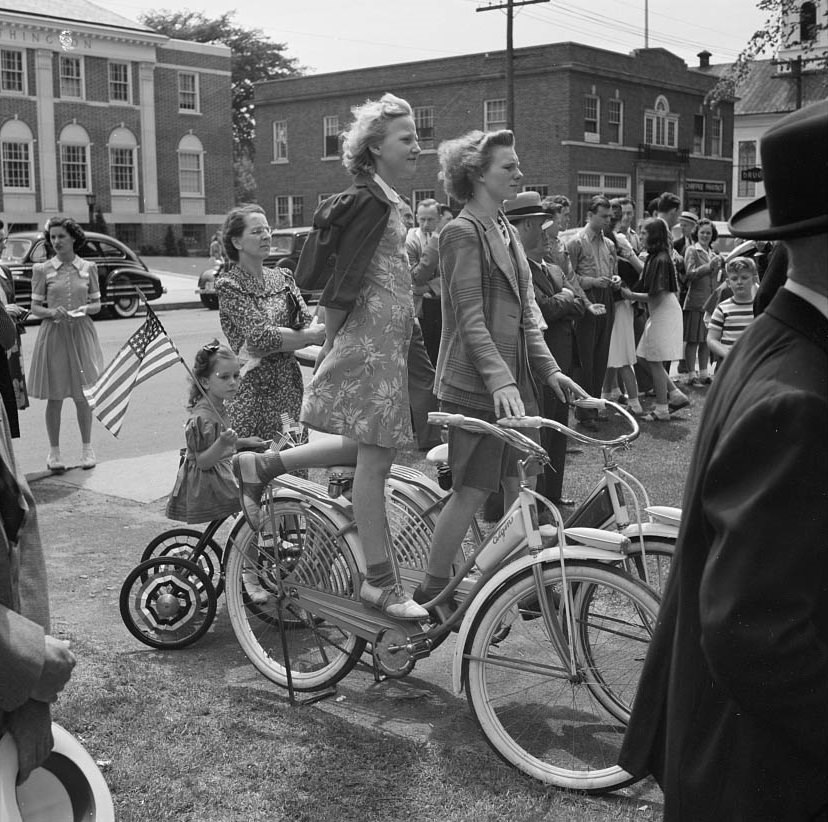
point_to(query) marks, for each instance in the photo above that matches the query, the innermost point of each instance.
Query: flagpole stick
(197, 384)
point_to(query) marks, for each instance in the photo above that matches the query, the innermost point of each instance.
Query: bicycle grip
(521, 422)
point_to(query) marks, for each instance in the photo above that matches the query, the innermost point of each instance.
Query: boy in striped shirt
(732, 316)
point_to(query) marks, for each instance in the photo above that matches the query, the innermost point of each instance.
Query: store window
(591, 183)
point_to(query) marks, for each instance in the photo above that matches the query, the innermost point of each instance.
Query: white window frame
(661, 123)
(119, 83)
(123, 140)
(279, 131)
(290, 200)
(592, 101)
(186, 94)
(67, 162)
(330, 128)
(420, 194)
(65, 79)
(716, 136)
(746, 188)
(611, 103)
(424, 124)
(190, 147)
(491, 107)
(539, 188)
(21, 55)
(18, 134)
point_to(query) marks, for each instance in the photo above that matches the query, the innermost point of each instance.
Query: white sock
(54, 453)
(635, 405)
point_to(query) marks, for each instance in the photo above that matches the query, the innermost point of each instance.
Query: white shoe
(88, 459)
(255, 593)
(390, 602)
(55, 464)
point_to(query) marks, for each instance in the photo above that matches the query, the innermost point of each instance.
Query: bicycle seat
(438, 454)
(665, 514)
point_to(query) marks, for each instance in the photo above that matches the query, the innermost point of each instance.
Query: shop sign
(751, 175)
(704, 187)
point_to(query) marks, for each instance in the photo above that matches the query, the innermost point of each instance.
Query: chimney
(704, 58)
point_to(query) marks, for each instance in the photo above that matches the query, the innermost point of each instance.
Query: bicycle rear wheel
(303, 551)
(654, 567)
(539, 718)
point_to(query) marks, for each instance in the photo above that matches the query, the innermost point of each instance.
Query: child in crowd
(732, 316)
(205, 488)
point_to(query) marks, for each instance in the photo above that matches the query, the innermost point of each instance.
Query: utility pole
(510, 5)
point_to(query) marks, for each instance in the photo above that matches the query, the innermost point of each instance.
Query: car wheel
(210, 301)
(125, 300)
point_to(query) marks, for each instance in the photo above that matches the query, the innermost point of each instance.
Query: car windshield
(15, 250)
(281, 243)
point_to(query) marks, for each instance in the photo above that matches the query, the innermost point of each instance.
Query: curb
(156, 307)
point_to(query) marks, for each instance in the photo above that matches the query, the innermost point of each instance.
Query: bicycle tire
(167, 602)
(182, 542)
(307, 552)
(658, 560)
(538, 719)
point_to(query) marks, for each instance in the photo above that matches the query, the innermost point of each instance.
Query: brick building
(112, 116)
(587, 121)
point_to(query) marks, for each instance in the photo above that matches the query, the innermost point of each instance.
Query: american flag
(146, 353)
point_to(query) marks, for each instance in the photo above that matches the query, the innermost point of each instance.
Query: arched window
(74, 159)
(661, 127)
(122, 148)
(807, 22)
(17, 156)
(190, 166)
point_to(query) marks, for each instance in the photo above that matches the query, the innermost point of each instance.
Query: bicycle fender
(516, 568)
(650, 529)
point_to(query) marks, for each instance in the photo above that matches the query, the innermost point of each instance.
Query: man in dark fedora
(731, 714)
(560, 307)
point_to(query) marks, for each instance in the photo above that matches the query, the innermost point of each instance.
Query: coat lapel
(499, 253)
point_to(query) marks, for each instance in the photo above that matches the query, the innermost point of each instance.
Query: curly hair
(465, 158)
(703, 222)
(72, 229)
(368, 129)
(234, 225)
(205, 361)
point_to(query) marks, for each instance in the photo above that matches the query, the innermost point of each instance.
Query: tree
(254, 58)
(785, 26)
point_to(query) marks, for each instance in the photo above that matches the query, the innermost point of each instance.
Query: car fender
(513, 569)
(138, 274)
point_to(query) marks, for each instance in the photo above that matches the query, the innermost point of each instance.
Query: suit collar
(368, 181)
(500, 254)
(801, 316)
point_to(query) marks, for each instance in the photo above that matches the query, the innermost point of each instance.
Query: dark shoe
(677, 400)
(390, 602)
(250, 488)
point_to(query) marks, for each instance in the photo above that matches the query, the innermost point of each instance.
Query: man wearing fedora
(560, 307)
(731, 714)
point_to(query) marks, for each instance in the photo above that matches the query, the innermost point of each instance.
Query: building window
(193, 236)
(74, 159)
(661, 127)
(591, 115)
(188, 91)
(190, 167)
(494, 115)
(591, 183)
(119, 82)
(747, 159)
(289, 211)
(122, 147)
(807, 23)
(420, 194)
(424, 123)
(615, 121)
(280, 141)
(698, 134)
(16, 154)
(543, 190)
(716, 137)
(330, 130)
(71, 77)
(12, 72)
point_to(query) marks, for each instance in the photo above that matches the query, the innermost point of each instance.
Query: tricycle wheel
(167, 602)
(182, 543)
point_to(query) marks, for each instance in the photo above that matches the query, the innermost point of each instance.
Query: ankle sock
(635, 405)
(662, 410)
(380, 574)
(54, 453)
(269, 465)
(431, 586)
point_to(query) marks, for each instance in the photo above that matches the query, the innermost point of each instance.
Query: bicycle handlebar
(510, 436)
(588, 402)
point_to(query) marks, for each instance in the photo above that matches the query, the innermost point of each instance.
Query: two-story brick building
(587, 121)
(98, 112)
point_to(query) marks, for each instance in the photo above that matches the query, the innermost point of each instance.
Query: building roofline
(110, 29)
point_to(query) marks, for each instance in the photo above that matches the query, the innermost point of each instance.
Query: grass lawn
(197, 734)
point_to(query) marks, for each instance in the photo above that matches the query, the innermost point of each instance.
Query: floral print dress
(251, 315)
(361, 387)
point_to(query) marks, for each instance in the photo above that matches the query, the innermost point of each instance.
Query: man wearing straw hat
(731, 715)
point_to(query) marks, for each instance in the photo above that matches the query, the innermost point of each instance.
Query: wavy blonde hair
(369, 127)
(465, 158)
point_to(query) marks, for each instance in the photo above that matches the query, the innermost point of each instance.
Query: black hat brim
(754, 222)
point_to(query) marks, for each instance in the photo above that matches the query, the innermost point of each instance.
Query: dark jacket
(347, 229)
(731, 714)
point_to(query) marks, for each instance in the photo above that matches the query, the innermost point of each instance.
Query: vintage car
(285, 248)
(120, 270)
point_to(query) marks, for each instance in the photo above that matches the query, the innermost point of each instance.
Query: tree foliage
(781, 29)
(254, 58)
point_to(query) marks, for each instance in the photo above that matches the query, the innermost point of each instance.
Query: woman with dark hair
(701, 270)
(66, 355)
(265, 319)
(493, 357)
(661, 340)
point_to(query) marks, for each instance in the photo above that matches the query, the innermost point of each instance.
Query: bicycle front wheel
(304, 551)
(538, 713)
